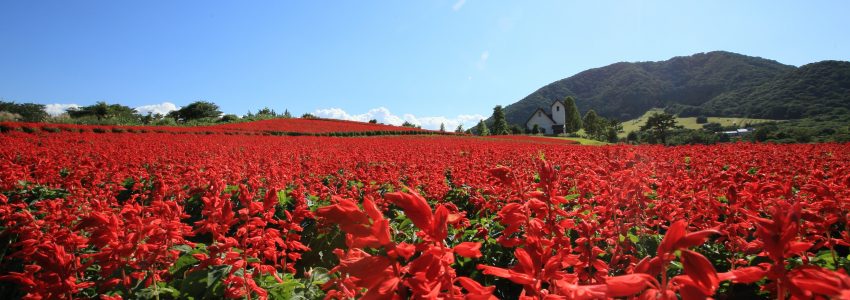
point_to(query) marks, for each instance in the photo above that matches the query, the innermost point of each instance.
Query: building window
(557, 108)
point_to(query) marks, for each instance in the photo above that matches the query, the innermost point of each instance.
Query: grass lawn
(690, 122)
(582, 141)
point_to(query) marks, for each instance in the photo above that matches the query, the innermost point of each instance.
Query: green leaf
(183, 263)
(826, 259)
(206, 283)
(633, 238)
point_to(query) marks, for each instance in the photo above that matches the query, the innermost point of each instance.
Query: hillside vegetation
(690, 122)
(710, 84)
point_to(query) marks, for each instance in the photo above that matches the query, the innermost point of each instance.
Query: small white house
(548, 122)
(739, 132)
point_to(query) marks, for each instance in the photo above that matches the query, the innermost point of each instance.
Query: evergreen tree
(481, 129)
(442, 127)
(286, 114)
(500, 125)
(573, 118)
(459, 129)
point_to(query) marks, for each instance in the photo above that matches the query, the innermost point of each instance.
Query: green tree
(442, 127)
(592, 125)
(613, 130)
(500, 125)
(573, 118)
(198, 110)
(286, 114)
(481, 129)
(28, 112)
(103, 111)
(411, 125)
(659, 125)
(459, 129)
(98, 110)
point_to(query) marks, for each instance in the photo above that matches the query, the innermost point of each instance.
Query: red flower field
(155, 215)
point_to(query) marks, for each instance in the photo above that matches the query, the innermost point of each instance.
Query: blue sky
(430, 61)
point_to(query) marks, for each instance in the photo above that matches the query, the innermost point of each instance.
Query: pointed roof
(557, 101)
(549, 116)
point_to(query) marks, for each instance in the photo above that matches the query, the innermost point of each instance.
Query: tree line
(198, 112)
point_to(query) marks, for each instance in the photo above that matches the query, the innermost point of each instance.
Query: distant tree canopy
(103, 111)
(572, 123)
(659, 126)
(593, 124)
(481, 129)
(459, 129)
(411, 125)
(266, 112)
(599, 128)
(28, 112)
(196, 110)
(500, 125)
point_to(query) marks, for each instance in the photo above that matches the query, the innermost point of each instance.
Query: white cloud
(458, 5)
(383, 115)
(162, 108)
(482, 60)
(56, 109)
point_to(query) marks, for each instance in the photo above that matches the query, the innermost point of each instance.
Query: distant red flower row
(267, 127)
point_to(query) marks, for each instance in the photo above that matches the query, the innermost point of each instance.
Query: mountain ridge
(709, 83)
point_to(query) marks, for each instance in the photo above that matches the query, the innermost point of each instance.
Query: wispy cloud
(56, 109)
(458, 5)
(482, 60)
(383, 115)
(162, 108)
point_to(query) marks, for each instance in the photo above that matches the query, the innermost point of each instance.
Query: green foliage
(658, 126)
(572, 121)
(482, 129)
(229, 118)
(101, 111)
(592, 124)
(195, 111)
(459, 129)
(26, 112)
(500, 126)
(411, 125)
(818, 89)
(819, 129)
(625, 90)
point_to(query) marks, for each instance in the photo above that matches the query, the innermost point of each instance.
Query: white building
(548, 122)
